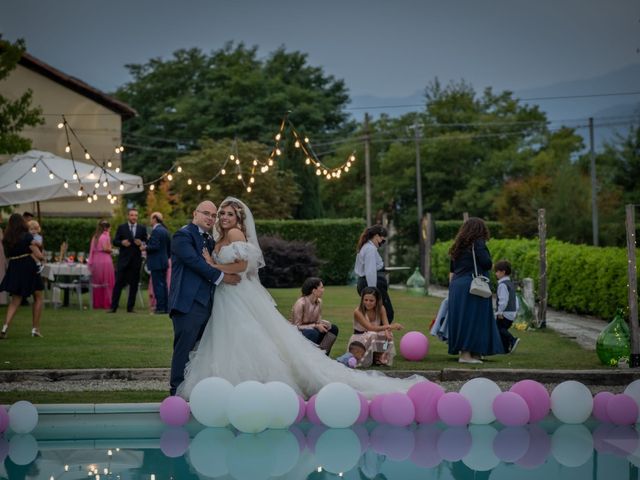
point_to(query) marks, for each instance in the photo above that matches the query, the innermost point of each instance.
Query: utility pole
(594, 186)
(367, 168)
(417, 132)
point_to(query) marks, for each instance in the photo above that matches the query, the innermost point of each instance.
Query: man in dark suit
(193, 283)
(158, 252)
(130, 238)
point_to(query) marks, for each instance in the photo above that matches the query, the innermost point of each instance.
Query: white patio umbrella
(35, 176)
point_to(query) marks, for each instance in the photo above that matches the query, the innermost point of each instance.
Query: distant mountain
(611, 113)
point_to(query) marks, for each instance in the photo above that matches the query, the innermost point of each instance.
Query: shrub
(287, 263)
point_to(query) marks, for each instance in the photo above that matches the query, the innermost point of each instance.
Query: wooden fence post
(542, 284)
(634, 361)
(426, 232)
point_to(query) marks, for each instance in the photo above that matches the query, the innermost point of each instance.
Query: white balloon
(481, 392)
(572, 445)
(284, 450)
(249, 407)
(571, 402)
(481, 457)
(23, 417)
(208, 401)
(338, 450)
(250, 457)
(23, 449)
(285, 404)
(338, 405)
(633, 390)
(208, 451)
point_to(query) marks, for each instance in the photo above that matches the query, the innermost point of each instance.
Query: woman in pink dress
(101, 266)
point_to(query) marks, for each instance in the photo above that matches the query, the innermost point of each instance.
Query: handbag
(479, 283)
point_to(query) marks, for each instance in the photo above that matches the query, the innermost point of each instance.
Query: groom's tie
(206, 237)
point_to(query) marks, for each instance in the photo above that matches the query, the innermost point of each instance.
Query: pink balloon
(622, 439)
(600, 402)
(174, 442)
(174, 411)
(511, 444)
(425, 396)
(300, 438)
(364, 409)
(539, 448)
(536, 396)
(302, 409)
(398, 409)
(396, 443)
(622, 409)
(425, 452)
(375, 408)
(414, 346)
(311, 411)
(4, 419)
(511, 409)
(454, 443)
(454, 409)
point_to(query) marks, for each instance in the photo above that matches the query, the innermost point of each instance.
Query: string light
(152, 187)
(50, 174)
(66, 184)
(34, 169)
(18, 186)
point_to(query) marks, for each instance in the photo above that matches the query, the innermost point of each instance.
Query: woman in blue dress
(472, 327)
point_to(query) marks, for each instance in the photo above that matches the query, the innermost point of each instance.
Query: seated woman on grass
(371, 328)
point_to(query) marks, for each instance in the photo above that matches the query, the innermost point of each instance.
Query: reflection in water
(364, 452)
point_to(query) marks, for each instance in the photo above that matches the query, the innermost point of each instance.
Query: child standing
(507, 307)
(34, 230)
(354, 355)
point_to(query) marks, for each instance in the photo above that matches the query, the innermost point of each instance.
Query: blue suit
(158, 253)
(193, 284)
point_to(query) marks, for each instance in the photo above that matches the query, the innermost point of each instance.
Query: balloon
(398, 409)
(174, 411)
(302, 409)
(511, 409)
(364, 409)
(23, 449)
(536, 396)
(454, 443)
(208, 401)
(285, 404)
(4, 419)
(481, 457)
(299, 436)
(571, 445)
(23, 417)
(571, 402)
(425, 453)
(249, 457)
(283, 447)
(397, 443)
(616, 440)
(375, 408)
(454, 409)
(600, 402)
(425, 396)
(622, 409)
(249, 407)
(539, 448)
(363, 435)
(313, 435)
(414, 346)
(311, 411)
(481, 392)
(174, 442)
(208, 451)
(338, 405)
(338, 450)
(511, 444)
(633, 390)
(4, 449)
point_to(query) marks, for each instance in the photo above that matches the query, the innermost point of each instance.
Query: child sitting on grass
(354, 355)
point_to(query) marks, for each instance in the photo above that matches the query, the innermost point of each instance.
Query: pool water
(139, 446)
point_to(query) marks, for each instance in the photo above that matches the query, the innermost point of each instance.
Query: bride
(246, 337)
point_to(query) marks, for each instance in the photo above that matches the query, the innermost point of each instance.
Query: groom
(193, 283)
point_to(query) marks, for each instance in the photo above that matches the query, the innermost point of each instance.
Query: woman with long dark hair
(22, 278)
(369, 266)
(101, 266)
(472, 326)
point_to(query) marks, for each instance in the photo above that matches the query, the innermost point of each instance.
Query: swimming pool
(139, 446)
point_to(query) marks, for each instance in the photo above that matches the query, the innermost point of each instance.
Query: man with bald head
(193, 283)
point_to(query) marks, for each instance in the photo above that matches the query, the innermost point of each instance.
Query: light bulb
(208, 187)
(189, 181)
(121, 186)
(278, 136)
(109, 164)
(96, 185)
(169, 177)
(152, 187)
(95, 196)
(278, 151)
(199, 187)
(50, 174)
(252, 180)
(65, 184)
(232, 157)
(306, 139)
(237, 161)
(109, 196)
(223, 171)
(270, 162)
(297, 144)
(346, 169)
(249, 189)
(318, 172)
(328, 176)
(61, 125)
(79, 193)
(348, 164)
(89, 199)
(86, 155)
(67, 148)
(121, 149)
(179, 169)
(75, 175)
(18, 186)
(239, 176)
(308, 161)
(105, 183)
(117, 169)
(324, 172)
(255, 163)
(352, 158)
(34, 169)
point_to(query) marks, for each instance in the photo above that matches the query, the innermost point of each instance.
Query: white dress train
(246, 338)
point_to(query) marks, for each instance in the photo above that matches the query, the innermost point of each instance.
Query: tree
(230, 93)
(15, 114)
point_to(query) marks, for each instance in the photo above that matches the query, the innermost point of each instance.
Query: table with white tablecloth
(64, 272)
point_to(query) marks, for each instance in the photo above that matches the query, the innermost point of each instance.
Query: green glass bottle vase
(614, 342)
(416, 283)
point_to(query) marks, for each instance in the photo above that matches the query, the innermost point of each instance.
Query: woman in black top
(22, 278)
(471, 325)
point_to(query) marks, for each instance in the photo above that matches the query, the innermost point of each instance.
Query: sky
(379, 48)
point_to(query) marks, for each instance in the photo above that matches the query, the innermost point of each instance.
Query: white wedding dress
(247, 338)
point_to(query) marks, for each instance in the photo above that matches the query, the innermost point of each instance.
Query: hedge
(447, 229)
(580, 278)
(335, 240)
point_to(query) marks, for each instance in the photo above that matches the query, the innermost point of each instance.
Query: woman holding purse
(472, 329)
